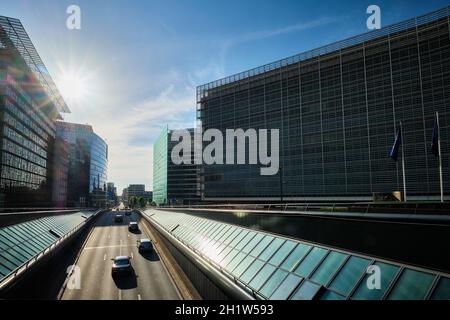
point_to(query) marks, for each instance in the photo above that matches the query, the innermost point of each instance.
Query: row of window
(22, 164)
(20, 151)
(21, 176)
(15, 92)
(21, 140)
(8, 183)
(24, 130)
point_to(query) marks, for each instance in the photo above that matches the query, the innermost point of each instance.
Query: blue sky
(142, 60)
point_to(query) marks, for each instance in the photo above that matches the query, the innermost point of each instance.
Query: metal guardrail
(30, 262)
(338, 207)
(2, 210)
(11, 213)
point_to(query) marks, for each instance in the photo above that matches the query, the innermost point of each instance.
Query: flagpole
(403, 163)
(440, 157)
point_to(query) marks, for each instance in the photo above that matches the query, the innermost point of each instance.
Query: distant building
(88, 163)
(29, 103)
(111, 194)
(136, 190)
(60, 172)
(173, 184)
(125, 196)
(148, 195)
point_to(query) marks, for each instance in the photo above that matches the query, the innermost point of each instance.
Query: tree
(142, 202)
(132, 201)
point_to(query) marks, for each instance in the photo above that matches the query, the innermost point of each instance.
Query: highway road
(108, 239)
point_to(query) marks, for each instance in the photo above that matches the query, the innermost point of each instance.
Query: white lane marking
(128, 235)
(120, 294)
(104, 247)
(132, 255)
(109, 236)
(139, 297)
(104, 257)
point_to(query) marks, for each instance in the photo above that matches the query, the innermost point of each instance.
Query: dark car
(121, 265)
(145, 245)
(128, 212)
(118, 218)
(133, 226)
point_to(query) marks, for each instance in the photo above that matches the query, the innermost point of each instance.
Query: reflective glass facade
(160, 165)
(29, 103)
(278, 268)
(88, 164)
(337, 109)
(173, 184)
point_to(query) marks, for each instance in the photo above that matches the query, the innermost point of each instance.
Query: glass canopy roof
(275, 267)
(22, 242)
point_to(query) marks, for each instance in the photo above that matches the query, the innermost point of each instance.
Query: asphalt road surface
(108, 239)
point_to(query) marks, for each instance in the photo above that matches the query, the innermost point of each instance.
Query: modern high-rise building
(29, 104)
(125, 195)
(111, 193)
(136, 190)
(88, 164)
(60, 172)
(173, 184)
(148, 195)
(338, 108)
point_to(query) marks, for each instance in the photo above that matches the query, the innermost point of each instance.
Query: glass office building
(337, 108)
(60, 172)
(88, 164)
(173, 184)
(29, 104)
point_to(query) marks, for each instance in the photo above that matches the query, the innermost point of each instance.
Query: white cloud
(131, 131)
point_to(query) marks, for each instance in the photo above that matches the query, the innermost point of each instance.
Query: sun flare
(73, 87)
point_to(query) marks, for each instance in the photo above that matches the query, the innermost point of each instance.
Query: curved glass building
(88, 164)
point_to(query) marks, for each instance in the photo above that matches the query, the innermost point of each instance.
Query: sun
(73, 87)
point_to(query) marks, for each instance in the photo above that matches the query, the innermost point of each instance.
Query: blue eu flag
(397, 143)
(435, 138)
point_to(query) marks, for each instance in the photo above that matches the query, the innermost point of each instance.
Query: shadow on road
(150, 256)
(125, 281)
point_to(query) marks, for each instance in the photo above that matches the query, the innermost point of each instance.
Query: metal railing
(330, 207)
